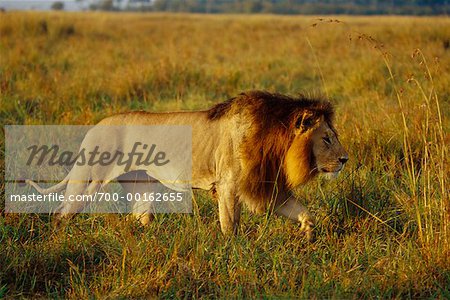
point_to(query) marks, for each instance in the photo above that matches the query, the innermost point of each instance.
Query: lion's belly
(203, 183)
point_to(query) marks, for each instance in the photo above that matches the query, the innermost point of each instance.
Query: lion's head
(316, 139)
(287, 141)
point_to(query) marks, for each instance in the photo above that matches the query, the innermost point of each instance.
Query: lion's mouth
(331, 170)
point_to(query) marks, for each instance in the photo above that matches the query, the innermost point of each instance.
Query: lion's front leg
(297, 212)
(229, 208)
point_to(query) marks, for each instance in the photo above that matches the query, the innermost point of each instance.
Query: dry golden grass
(383, 226)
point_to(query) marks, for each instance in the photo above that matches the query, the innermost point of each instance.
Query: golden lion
(252, 149)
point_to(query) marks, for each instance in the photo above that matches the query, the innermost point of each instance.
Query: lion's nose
(343, 159)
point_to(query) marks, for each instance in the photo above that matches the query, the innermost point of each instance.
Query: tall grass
(425, 159)
(382, 227)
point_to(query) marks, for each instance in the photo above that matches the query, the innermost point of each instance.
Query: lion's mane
(270, 121)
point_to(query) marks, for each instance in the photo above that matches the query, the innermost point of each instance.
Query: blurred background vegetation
(358, 7)
(305, 7)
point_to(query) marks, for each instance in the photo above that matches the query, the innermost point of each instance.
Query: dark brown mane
(220, 109)
(277, 105)
(273, 118)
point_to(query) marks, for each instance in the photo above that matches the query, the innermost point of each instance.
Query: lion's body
(205, 139)
(252, 149)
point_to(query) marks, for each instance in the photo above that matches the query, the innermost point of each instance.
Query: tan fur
(253, 149)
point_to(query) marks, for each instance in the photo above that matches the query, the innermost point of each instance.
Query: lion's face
(314, 149)
(328, 153)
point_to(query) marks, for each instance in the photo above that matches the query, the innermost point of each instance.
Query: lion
(253, 149)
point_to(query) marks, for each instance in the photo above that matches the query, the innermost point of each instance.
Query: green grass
(382, 227)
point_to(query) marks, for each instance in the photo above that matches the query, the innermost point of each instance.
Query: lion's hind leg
(135, 184)
(77, 196)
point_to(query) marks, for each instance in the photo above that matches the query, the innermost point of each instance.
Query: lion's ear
(305, 121)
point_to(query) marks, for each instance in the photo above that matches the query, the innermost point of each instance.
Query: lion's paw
(307, 227)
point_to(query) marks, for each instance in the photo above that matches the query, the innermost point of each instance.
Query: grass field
(383, 227)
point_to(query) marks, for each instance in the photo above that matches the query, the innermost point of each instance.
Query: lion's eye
(327, 140)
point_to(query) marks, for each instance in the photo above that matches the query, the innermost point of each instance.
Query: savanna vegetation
(383, 227)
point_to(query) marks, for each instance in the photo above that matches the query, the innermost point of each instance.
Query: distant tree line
(363, 7)
(58, 5)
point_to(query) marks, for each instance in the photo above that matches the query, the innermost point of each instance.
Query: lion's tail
(53, 189)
